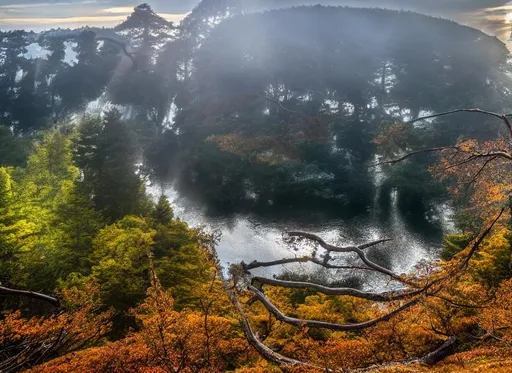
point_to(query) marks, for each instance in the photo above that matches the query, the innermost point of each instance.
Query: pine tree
(163, 213)
(107, 155)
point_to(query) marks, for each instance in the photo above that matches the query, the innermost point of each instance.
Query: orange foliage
(486, 180)
(168, 341)
(25, 341)
(392, 138)
(262, 149)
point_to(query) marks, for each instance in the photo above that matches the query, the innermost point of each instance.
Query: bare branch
(412, 121)
(483, 168)
(377, 297)
(476, 243)
(503, 117)
(267, 353)
(350, 249)
(403, 158)
(377, 267)
(280, 104)
(455, 304)
(374, 243)
(336, 249)
(320, 241)
(256, 264)
(439, 354)
(327, 325)
(30, 294)
(303, 259)
(122, 46)
(493, 154)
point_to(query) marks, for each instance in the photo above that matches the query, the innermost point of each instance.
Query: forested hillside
(302, 110)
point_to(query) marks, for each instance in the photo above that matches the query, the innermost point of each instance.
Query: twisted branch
(377, 297)
(327, 325)
(351, 249)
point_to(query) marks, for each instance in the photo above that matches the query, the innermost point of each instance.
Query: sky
(491, 16)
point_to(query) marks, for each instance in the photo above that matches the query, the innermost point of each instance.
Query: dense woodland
(281, 110)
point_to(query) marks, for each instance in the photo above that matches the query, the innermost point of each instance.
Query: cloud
(82, 20)
(62, 20)
(53, 3)
(491, 16)
(119, 9)
(48, 14)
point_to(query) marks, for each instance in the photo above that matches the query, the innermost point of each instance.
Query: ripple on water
(249, 237)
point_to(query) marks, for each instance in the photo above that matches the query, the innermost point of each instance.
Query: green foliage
(181, 263)
(120, 261)
(77, 223)
(8, 228)
(41, 187)
(163, 213)
(14, 150)
(493, 262)
(107, 153)
(454, 244)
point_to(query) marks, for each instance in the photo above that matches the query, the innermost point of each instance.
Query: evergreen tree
(14, 150)
(8, 229)
(107, 154)
(147, 32)
(163, 213)
(46, 183)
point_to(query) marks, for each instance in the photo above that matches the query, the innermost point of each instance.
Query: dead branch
(439, 354)
(267, 353)
(472, 157)
(493, 154)
(4, 291)
(303, 259)
(280, 104)
(337, 249)
(503, 117)
(478, 241)
(377, 297)
(348, 249)
(326, 325)
(408, 155)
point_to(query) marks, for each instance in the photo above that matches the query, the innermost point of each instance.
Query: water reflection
(251, 237)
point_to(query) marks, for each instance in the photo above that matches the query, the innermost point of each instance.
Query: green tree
(40, 188)
(106, 152)
(120, 261)
(163, 213)
(14, 150)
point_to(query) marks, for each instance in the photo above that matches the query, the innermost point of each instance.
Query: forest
(320, 113)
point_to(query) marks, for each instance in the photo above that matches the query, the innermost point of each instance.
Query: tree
(14, 150)
(45, 183)
(253, 126)
(77, 85)
(163, 213)
(107, 154)
(8, 228)
(147, 32)
(146, 91)
(120, 261)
